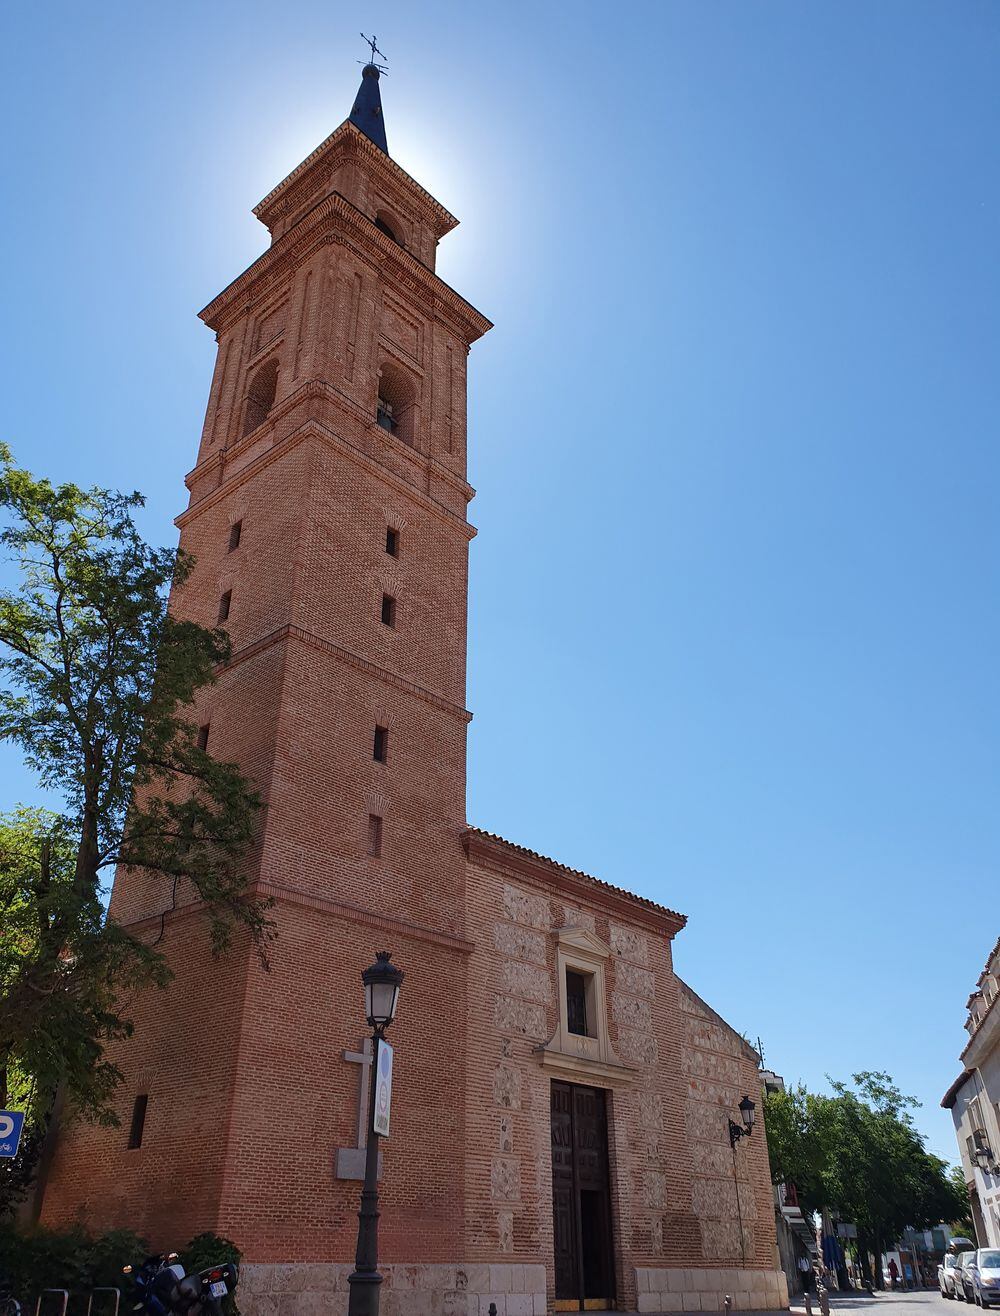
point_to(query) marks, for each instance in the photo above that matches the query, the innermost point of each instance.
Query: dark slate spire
(367, 111)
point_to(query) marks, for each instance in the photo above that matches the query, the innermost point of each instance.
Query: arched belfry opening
(260, 396)
(396, 405)
(390, 226)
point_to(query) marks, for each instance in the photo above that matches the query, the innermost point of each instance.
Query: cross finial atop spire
(375, 51)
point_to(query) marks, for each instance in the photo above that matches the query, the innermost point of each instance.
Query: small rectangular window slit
(138, 1121)
(388, 610)
(235, 534)
(392, 542)
(203, 736)
(381, 746)
(224, 605)
(374, 835)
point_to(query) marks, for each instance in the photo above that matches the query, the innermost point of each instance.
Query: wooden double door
(581, 1199)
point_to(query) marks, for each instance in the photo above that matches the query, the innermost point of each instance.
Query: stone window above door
(581, 1045)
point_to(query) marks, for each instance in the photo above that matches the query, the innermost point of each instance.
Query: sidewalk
(853, 1302)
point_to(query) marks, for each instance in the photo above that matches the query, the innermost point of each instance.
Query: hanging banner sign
(383, 1087)
(11, 1124)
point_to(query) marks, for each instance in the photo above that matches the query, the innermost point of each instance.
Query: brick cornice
(379, 164)
(287, 252)
(500, 856)
(292, 632)
(336, 908)
(314, 429)
(360, 914)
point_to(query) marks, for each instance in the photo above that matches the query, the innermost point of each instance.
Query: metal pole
(365, 1281)
(739, 1207)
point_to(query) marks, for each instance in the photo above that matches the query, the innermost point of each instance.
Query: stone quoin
(561, 1106)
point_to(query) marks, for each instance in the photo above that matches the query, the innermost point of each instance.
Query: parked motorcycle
(163, 1289)
(9, 1305)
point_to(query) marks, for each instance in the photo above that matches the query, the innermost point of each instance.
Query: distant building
(974, 1102)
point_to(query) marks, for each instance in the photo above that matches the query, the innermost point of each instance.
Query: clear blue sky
(734, 624)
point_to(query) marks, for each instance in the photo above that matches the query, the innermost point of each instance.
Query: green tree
(63, 966)
(962, 1222)
(882, 1177)
(858, 1154)
(99, 682)
(797, 1142)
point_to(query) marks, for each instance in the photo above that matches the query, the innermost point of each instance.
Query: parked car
(963, 1276)
(986, 1276)
(947, 1273)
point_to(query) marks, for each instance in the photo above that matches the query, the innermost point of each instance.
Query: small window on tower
(224, 605)
(203, 737)
(392, 542)
(235, 535)
(374, 835)
(381, 747)
(388, 610)
(385, 415)
(138, 1121)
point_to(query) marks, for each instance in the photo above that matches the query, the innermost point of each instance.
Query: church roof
(750, 1050)
(523, 851)
(367, 111)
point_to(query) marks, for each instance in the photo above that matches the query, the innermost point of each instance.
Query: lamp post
(748, 1113)
(983, 1157)
(382, 982)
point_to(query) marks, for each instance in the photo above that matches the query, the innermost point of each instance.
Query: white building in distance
(974, 1102)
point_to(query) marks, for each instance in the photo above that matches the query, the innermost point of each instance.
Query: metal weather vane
(375, 51)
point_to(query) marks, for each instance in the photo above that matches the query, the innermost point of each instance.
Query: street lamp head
(748, 1111)
(382, 981)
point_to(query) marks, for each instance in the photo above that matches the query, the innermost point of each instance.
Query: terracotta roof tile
(576, 872)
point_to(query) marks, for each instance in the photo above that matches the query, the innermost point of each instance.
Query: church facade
(561, 1098)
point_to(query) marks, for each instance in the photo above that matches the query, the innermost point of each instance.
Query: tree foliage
(858, 1154)
(797, 1143)
(963, 1223)
(99, 679)
(63, 968)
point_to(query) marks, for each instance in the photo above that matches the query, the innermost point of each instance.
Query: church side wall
(681, 1075)
(731, 1193)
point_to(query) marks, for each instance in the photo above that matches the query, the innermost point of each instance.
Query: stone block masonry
(436, 1290)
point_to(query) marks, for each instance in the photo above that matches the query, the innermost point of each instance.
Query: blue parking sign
(11, 1124)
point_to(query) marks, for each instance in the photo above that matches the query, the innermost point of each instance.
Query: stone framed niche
(580, 1046)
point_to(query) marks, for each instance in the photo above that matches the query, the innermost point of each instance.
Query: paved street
(927, 1302)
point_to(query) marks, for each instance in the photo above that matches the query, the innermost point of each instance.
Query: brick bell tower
(327, 518)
